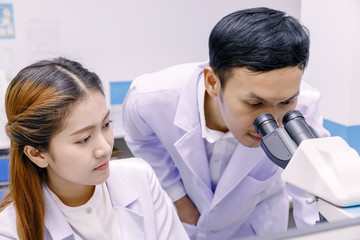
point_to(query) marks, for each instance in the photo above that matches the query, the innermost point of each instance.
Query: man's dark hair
(260, 39)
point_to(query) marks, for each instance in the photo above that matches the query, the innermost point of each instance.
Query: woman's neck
(73, 196)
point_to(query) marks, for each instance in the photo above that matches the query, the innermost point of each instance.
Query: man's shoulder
(308, 99)
(307, 90)
(171, 78)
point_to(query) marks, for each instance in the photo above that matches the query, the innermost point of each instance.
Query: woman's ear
(212, 82)
(35, 156)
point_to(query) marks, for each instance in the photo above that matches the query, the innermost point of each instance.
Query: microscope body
(328, 169)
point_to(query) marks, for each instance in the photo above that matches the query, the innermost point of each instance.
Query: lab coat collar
(55, 222)
(187, 115)
(187, 118)
(117, 190)
(195, 157)
(122, 195)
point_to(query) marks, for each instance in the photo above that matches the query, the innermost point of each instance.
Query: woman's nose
(103, 147)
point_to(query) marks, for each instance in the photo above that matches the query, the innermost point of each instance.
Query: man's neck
(213, 117)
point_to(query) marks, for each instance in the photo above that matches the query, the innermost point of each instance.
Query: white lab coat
(162, 125)
(144, 210)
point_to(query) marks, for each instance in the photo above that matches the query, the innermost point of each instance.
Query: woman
(61, 143)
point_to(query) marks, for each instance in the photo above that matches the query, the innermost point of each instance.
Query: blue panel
(2, 195)
(353, 137)
(118, 91)
(355, 210)
(351, 134)
(4, 170)
(335, 129)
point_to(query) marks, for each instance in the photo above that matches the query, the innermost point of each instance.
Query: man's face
(248, 94)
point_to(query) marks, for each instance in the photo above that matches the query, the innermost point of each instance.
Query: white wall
(335, 56)
(120, 39)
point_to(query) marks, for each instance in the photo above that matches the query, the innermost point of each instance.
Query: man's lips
(256, 137)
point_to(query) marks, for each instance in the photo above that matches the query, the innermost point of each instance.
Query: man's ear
(212, 82)
(35, 156)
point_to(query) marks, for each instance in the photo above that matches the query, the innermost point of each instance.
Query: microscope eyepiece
(291, 115)
(297, 128)
(265, 124)
(280, 143)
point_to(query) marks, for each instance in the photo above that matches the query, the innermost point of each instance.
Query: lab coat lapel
(191, 145)
(192, 150)
(122, 196)
(243, 160)
(57, 227)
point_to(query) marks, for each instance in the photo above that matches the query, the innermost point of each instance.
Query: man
(194, 124)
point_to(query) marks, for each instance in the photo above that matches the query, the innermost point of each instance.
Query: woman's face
(79, 155)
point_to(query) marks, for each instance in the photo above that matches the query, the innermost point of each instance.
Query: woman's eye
(107, 124)
(84, 140)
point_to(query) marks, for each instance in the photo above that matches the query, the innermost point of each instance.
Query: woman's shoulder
(8, 222)
(130, 175)
(129, 163)
(130, 168)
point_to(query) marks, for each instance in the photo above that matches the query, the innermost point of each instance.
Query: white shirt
(95, 219)
(219, 145)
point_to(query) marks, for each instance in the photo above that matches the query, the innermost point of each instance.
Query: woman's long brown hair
(36, 102)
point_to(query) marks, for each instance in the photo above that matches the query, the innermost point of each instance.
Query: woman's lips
(103, 167)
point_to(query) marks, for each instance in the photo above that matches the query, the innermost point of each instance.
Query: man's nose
(276, 114)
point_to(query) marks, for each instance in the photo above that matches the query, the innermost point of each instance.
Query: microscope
(327, 169)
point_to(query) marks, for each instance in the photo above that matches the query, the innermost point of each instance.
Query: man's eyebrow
(295, 95)
(88, 127)
(253, 95)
